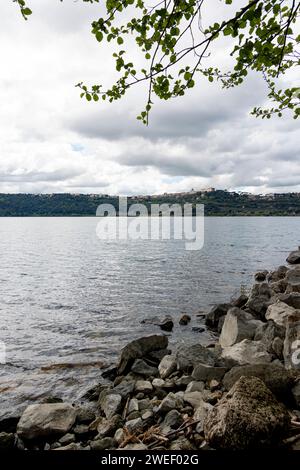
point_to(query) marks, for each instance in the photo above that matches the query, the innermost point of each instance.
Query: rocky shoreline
(241, 392)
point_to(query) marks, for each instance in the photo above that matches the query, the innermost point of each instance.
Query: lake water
(69, 298)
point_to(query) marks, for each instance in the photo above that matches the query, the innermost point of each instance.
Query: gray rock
(277, 347)
(206, 373)
(158, 383)
(133, 405)
(167, 366)
(81, 430)
(173, 419)
(134, 425)
(193, 398)
(140, 446)
(275, 377)
(67, 439)
(279, 313)
(140, 348)
(7, 440)
(109, 403)
(241, 301)
(260, 299)
(144, 404)
(238, 325)
(125, 388)
(195, 386)
(260, 276)
(84, 415)
(292, 279)
(271, 335)
(102, 444)
(200, 414)
(46, 420)
(141, 367)
(293, 299)
(247, 352)
(119, 436)
(71, 446)
(278, 274)
(291, 346)
(143, 386)
(170, 402)
(147, 415)
(294, 257)
(214, 315)
(189, 356)
(158, 355)
(296, 393)
(107, 427)
(182, 443)
(249, 416)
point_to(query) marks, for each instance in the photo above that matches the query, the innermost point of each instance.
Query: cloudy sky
(51, 141)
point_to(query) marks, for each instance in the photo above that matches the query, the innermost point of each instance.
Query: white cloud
(51, 141)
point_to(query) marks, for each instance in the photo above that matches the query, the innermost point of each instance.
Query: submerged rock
(249, 416)
(46, 420)
(184, 320)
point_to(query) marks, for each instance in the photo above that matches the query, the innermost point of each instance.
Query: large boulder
(291, 348)
(188, 357)
(138, 349)
(292, 279)
(259, 299)
(238, 325)
(279, 312)
(247, 352)
(276, 378)
(248, 417)
(38, 421)
(294, 257)
(215, 314)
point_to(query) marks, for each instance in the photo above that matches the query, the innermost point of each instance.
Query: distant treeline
(217, 203)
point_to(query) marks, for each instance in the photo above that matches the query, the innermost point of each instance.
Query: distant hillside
(217, 203)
